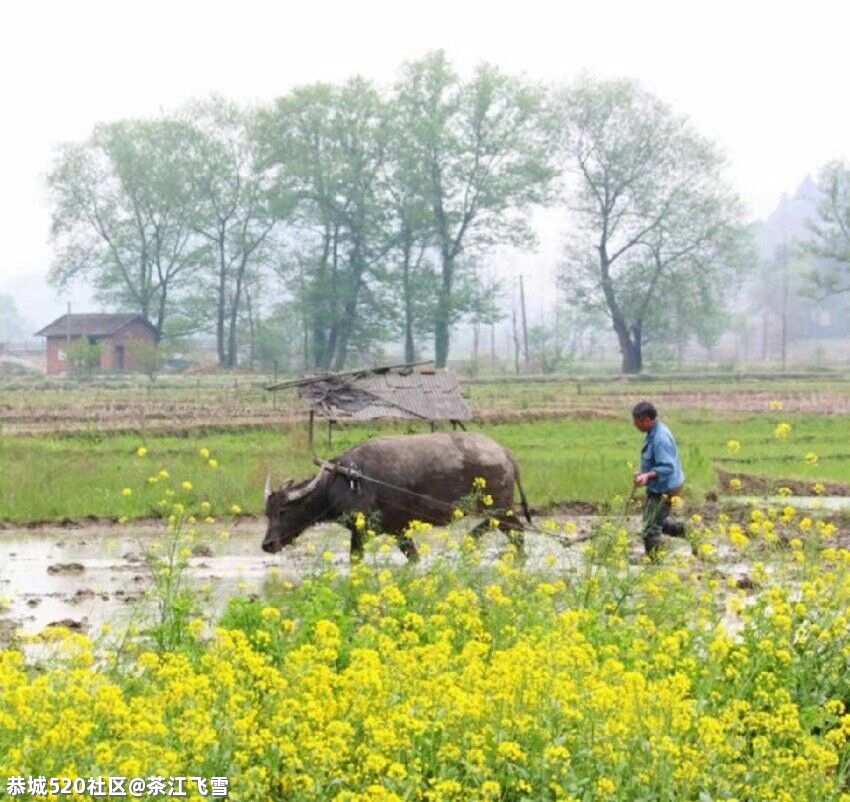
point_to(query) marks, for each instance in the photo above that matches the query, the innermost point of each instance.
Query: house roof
(94, 325)
(404, 392)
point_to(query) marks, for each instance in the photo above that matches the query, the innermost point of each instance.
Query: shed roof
(91, 325)
(402, 392)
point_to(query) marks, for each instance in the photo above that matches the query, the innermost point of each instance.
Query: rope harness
(355, 476)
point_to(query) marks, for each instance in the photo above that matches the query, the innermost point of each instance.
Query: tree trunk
(407, 291)
(222, 303)
(631, 345)
(409, 344)
(632, 357)
(442, 317)
(346, 327)
(160, 317)
(232, 338)
(631, 349)
(441, 332)
(252, 335)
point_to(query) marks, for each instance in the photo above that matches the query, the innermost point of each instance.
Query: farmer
(661, 474)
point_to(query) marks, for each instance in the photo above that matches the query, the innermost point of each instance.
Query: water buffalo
(396, 480)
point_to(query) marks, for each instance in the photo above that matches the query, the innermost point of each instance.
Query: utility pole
(516, 340)
(784, 306)
(524, 323)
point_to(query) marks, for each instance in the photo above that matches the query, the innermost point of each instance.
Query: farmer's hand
(642, 478)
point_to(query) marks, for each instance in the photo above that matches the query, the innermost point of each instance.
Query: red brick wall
(109, 361)
(134, 331)
(56, 349)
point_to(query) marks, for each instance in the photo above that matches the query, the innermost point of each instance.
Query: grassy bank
(569, 459)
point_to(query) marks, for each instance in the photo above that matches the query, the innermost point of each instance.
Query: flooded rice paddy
(86, 576)
(96, 573)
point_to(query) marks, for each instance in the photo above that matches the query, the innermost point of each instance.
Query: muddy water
(94, 575)
(827, 503)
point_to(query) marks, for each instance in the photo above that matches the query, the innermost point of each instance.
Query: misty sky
(766, 80)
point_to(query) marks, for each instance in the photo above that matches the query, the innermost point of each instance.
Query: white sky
(767, 80)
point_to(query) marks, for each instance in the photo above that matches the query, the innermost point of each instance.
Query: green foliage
(11, 326)
(327, 147)
(480, 163)
(122, 214)
(148, 357)
(84, 357)
(230, 216)
(659, 244)
(829, 231)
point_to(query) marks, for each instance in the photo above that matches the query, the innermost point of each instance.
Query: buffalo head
(291, 510)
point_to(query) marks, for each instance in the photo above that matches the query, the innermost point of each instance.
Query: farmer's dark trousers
(656, 523)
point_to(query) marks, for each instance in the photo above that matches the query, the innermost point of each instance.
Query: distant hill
(787, 223)
(781, 286)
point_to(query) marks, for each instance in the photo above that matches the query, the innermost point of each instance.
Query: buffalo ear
(287, 484)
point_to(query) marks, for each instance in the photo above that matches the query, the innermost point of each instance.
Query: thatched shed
(393, 392)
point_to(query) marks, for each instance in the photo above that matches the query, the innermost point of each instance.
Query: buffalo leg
(408, 547)
(356, 550)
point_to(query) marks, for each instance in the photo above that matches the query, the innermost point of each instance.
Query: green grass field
(571, 459)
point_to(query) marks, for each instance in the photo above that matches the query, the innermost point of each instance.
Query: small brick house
(115, 331)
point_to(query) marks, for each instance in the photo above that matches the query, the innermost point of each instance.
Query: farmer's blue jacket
(660, 454)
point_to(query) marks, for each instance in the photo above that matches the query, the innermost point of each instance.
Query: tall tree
(11, 325)
(829, 231)
(481, 162)
(231, 211)
(653, 220)
(326, 146)
(122, 215)
(411, 269)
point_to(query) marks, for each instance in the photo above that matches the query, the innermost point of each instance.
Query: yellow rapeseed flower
(141, 451)
(782, 430)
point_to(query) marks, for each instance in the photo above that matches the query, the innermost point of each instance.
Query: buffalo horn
(268, 489)
(300, 492)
